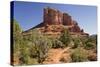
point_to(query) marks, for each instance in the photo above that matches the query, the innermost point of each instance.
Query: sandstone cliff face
(52, 17)
(67, 20)
(54, 21)
(55, 17)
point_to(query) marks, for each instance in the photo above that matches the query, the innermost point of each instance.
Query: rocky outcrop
(52, 16)
(67, 20)
(54, 21)
(55, 17)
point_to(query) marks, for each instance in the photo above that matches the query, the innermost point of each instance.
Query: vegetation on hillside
(33, 48)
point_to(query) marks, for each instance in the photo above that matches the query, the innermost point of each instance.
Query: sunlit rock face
(54, 21)
(55, 17)
(52, 16)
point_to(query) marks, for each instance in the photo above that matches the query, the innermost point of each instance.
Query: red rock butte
(54, 21)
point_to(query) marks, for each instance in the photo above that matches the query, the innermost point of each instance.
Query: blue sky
(29, 14)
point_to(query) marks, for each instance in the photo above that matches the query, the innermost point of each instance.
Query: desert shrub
(89, 45)
(23, 45)
(33, 61)
(24, 57)
(35, 52)
(29, 53)
(43, 45)
(38, 45)
(24, 52)
(34, 34)
(22, 49)
(83, 40)
(93, 38)
(16, 28)
(32, 50)
(20, 45)
(57, 44)
(16, 35)
(17, 38)
(90, 42)
(65, 37)
(79, 55)
(16, 32)
(77, 42)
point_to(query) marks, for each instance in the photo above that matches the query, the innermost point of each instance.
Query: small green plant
(89, 45)
(65, 37)
(77, 42)
(57, 44)
(79, 55)
(32, 61)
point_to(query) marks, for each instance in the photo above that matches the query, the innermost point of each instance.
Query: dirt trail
(58, 56)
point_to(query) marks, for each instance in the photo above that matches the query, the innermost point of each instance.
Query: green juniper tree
(65, 37)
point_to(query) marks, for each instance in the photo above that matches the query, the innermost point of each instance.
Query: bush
(57, 44)
(17, 41)
(65, 37)
(90, 42)
(25, 47)
(42, 47)
(32, 61)
(38, 45)
(79, 55)
(89, 45)
(32, 50)
(24, 52)
(16, 27)
(77, 42)
(17, 38)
